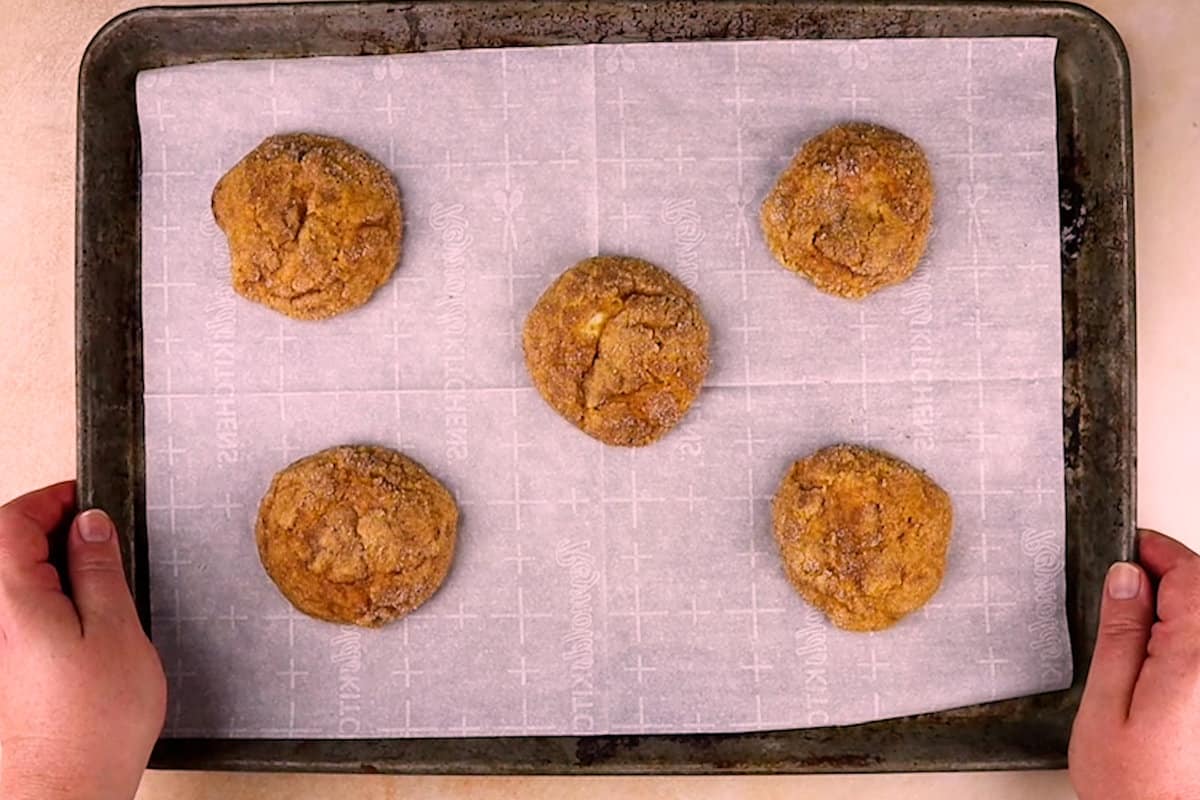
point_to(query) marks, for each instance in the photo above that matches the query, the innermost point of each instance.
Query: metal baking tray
(1096, 185)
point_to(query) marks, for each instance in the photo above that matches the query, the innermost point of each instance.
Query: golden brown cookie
(313, 223)
(852, 212)
(359, 535)
(862, 534)
(618, 347)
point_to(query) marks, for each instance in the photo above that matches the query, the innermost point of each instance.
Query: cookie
(357, 535)
(314, 225)
(853, 210)
(619, 348)
(862, 535)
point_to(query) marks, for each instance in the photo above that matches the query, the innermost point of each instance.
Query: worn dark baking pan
(1095, 175)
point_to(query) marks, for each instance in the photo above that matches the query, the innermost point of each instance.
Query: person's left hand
(82, 693)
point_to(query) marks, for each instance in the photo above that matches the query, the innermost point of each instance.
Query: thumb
(97, 577)
(1126, 614)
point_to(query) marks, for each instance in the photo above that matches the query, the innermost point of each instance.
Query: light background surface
(39, 56)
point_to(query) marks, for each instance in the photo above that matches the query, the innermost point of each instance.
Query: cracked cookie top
(619, 348)
(863, 535)
(853, 210)
(356, 534)
(314, 225)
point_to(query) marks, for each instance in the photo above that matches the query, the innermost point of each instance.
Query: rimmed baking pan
(1095, 178)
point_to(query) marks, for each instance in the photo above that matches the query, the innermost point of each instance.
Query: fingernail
(1123, 581)
(95, 526)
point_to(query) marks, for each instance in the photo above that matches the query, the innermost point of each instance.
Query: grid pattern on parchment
(602, 589)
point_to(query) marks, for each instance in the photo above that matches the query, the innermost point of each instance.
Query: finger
(44, 508)
(97, 577)
(27, 522)
(1126, 614)
(1177, 570)
(1160, 554)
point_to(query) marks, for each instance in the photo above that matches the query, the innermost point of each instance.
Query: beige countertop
(41, 42)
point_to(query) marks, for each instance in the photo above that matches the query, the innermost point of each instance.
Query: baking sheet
(600, 590)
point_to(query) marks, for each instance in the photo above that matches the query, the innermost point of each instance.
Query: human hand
(1137, 733)
(82, 693)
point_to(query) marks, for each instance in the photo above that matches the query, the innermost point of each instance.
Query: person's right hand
(1137, 733)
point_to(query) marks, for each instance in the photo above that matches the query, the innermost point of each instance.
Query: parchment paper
(596, 589)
